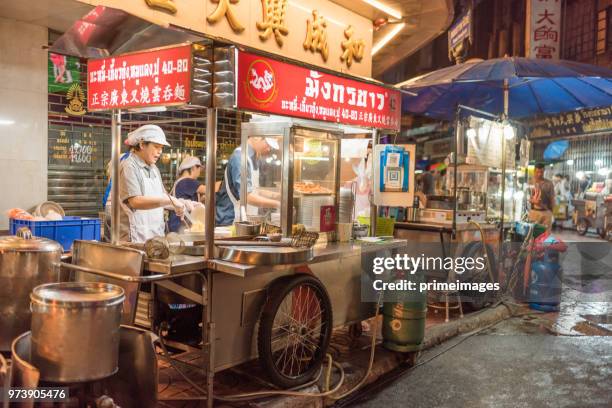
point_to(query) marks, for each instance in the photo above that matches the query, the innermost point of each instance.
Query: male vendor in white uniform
(141, 190)
(228, 197)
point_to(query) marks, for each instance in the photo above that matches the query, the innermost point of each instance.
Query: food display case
(301, 170)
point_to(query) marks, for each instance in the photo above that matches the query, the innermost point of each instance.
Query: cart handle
(125, 278)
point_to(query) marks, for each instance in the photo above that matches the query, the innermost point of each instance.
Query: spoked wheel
(582, 226)
(294, 330)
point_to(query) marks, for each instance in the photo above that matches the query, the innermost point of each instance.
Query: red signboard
(272, 86)
(154, 78)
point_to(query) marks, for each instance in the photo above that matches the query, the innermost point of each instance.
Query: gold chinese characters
(316, 35)
(224, 9)
(273, 20)
(166, 5)
(353, 49)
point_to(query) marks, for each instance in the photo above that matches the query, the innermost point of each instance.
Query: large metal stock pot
(75, 330)
(25, 262)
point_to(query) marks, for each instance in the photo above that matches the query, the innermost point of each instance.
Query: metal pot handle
(24, 233)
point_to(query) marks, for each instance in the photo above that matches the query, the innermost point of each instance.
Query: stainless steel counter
(441, 227)
(322, 253)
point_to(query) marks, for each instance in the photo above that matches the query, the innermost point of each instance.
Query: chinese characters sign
(317, 32)
(277, 87)
(571, 123)
(153, 78)
(543, 32)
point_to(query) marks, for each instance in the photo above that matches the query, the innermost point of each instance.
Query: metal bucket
(75, 330)
(25, 262)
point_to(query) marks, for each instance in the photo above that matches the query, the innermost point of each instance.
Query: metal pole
(373, 208)
(503, 180)
(211, 165)
(116, 152)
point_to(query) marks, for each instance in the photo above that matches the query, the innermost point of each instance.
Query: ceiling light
(384, 8)
(377, 47)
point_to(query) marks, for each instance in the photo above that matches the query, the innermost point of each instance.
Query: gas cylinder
(545, 285)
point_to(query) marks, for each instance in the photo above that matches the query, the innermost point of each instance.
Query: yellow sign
(76, 98)
(317, 32)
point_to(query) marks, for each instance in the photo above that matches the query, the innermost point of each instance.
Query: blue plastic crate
(63, 231)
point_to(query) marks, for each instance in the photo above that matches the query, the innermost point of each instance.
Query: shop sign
(317, 32)
(461, 30)
(276, 87)
(154, 78)
(579, 122)
(543, 28)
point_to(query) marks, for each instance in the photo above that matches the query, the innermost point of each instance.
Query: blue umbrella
(555, 149)
(535, 86)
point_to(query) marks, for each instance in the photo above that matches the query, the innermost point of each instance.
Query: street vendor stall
(276, 301)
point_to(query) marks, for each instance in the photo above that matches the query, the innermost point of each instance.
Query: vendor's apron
(238, 216)
(146, 224)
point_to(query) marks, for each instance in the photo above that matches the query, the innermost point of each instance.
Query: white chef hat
(189, 162)
(272, 142)
(147, 133)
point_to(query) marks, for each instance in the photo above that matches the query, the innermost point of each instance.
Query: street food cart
(275, 301)
(473, 204)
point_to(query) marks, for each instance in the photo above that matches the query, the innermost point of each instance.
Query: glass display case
(290, 174)
(315, 176)
(472, 186)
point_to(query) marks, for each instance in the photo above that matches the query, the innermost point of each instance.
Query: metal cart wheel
(582, 226)
(294, 330)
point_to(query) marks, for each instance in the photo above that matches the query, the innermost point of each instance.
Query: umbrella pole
(503, 180)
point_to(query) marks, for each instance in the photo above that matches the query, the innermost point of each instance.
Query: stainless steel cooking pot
(25, 262)
(75, 330)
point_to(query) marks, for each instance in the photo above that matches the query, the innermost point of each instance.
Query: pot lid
(78, 294)
(25, 242)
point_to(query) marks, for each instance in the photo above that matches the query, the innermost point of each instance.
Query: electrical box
(393, 172)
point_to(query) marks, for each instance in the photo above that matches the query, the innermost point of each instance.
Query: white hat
(147, 133)
(189, 162)
(272, 142)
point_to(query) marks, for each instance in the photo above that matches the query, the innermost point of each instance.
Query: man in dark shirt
(542, 198)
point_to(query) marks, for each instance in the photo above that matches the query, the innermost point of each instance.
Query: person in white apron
(142, 193)
(228, 208)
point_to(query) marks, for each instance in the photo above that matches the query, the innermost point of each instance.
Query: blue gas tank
(545, 286)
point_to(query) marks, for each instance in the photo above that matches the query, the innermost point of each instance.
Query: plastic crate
(63, 231)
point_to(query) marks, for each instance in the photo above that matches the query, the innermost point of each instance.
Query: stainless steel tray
(265, 255)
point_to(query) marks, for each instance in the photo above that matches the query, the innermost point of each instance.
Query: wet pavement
(536, 359)
(512, 365)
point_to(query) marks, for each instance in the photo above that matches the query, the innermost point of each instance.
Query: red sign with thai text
(154, 78)
(272, 86)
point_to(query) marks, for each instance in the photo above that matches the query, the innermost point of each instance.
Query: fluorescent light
(377, 47)
(384, 8)
(6, 122)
